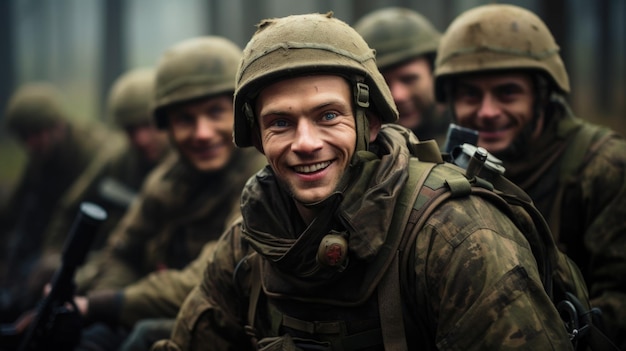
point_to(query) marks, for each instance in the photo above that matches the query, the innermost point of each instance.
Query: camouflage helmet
(398, 35)
(303, 44)
(33, 107)
(130, 99)
(498, 37)
(195, 68)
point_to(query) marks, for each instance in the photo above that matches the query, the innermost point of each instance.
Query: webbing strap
(255, 292)
(390, 308)
(389, 294)
(459, 186)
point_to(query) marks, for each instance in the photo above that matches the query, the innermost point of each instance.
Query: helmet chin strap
(361, 103)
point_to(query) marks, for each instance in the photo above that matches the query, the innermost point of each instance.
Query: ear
(375, 124)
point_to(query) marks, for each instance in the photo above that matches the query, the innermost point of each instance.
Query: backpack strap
(252, 262)
(389, 290)
(585, 144)
(446, 182)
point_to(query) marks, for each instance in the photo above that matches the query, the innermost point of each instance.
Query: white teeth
(312, 168)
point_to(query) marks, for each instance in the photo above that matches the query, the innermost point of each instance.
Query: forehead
(308, 86)
(418, 64)
(302, 82)
(202, 104)
(491, 79)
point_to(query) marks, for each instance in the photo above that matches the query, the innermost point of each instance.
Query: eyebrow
(321, 106)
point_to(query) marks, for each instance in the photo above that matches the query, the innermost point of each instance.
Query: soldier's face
(41, 143)
(499, 106)
(202, 132)
(148, 140)
(411, 86)
(308, 133)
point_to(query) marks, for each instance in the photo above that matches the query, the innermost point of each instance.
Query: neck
(307, 214)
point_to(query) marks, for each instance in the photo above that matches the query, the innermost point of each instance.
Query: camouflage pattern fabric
(177, 212)
(592, 210)
(477, 283)
(161, 294)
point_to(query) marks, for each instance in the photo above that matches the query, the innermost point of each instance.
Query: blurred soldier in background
(60, 151)
(406, 47)
(115, 185)
(500, 71)
(189, 199)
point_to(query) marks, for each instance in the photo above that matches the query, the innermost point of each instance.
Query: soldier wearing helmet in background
(187, 201)
(60, 151)
(406, 47)
(499, 70)
(302, 269)
(114, 185)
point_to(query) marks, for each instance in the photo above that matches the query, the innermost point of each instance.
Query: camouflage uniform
(47, 181)
(181, 210)
(579, 187)
(178, 210)
(158, 296)
(477, 285)
(400, 35)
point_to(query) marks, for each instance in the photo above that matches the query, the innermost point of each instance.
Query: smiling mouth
(312, 168)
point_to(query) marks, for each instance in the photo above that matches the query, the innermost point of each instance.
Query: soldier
(301, 270)
(189, 199)
(406, 47)
(500, 72)
(114, 185)
(60, 151)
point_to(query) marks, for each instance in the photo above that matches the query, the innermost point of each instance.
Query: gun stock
(57, 324)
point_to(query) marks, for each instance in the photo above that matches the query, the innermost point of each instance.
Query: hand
(82, 303)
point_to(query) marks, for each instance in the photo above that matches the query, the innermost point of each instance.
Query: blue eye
(328, 116)
(280, 123)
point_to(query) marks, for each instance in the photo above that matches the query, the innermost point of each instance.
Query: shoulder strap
(434, 188)
(389, 294)
(251, 263)
(586, 142)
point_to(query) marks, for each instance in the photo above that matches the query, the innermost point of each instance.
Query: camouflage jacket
(476, 281)
(176, 213)
(588, 221)
(158, 295)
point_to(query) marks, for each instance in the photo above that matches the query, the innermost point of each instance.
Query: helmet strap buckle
(362, 95)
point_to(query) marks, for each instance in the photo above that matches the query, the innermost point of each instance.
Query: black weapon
(57, 324)
(458, 136)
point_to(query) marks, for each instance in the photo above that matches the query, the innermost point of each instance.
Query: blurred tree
(114, 50)
(7, 76)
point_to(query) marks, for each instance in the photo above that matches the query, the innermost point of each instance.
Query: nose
(399, 92)
(489, 107)
(205, 128)
(140, 136)
(307, 138)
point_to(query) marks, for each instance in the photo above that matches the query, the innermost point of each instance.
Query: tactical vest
(372, 307)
